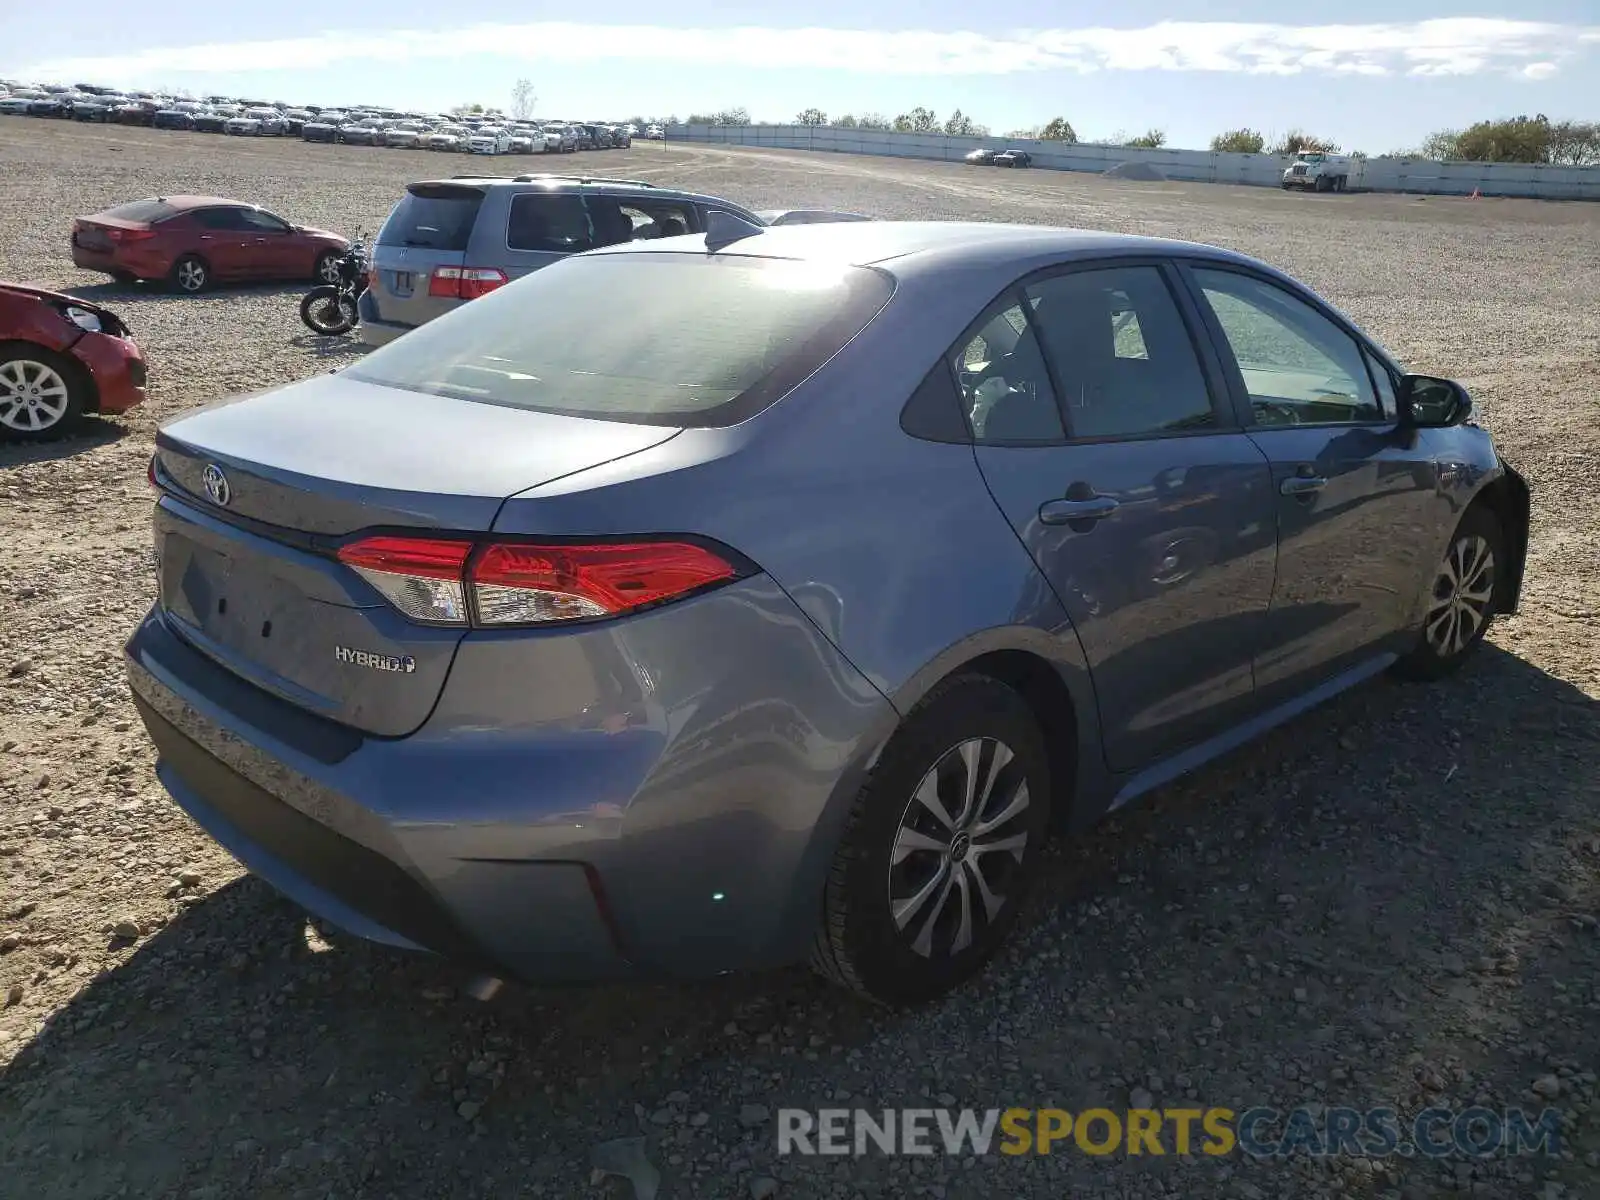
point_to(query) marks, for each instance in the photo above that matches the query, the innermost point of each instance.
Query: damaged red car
(193, 242)
(62, 357)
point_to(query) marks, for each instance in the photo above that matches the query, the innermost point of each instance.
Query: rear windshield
(647, 338)
(141, 210)
(434, 217)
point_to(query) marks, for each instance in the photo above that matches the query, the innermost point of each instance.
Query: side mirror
(1427, 402)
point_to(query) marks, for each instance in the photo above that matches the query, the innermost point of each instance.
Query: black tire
(190, 274)
(326, 265)
(325, 312)
(42, 393)
(860, 944)
(1440, 647)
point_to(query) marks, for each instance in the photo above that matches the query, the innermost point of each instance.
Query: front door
(1116, 462)
(225, 241)
(1355, 497)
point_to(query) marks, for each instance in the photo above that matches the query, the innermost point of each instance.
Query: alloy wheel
(328, 270)
(1462, 594)
(33, 396)
(959, 847)
(191, 276)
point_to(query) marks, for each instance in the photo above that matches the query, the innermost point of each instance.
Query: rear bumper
(117, 367)
(596, 829)
(131, 258)
(372, 331)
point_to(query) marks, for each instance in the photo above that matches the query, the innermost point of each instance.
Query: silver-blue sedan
(715, 602)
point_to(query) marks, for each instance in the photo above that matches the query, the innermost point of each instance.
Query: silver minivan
(452, 240)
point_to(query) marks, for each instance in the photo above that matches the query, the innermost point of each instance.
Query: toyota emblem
(216, 485)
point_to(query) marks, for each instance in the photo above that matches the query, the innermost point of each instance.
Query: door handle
(1302, 485)
(1071, 512)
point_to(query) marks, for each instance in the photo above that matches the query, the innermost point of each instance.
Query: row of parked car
(489, 134)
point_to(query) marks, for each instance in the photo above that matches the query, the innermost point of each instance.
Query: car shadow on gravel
(90, 433)
(1327, 881)
(336, 348)
(155, 290)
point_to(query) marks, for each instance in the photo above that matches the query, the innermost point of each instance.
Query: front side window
(1298, 366)
(1121, 352)
(260, 222)
(700, 341)
(1386, 392)
(556, 222)
(1005, 385)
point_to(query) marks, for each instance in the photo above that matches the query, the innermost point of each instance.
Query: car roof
(563, 182)
(950, 243)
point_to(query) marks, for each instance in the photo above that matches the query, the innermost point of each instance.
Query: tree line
(1513, 139)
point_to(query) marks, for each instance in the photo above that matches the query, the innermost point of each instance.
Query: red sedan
(194, 241)
(61, 357)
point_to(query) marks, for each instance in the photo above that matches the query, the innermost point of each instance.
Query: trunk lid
(246, 568)
(428, 229)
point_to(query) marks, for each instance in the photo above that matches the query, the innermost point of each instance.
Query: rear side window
(433, 217)
(701, 340)
(222, 218)
(142, 210)
(552, 221)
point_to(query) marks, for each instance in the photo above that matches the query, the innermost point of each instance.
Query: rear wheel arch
(1040, 678)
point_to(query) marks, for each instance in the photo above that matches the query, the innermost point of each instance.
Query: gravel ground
(1390, 903)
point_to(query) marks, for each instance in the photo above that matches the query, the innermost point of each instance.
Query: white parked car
(655, 133)
(490, 139)
(448, 137)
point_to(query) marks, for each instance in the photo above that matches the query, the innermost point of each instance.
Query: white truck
(1320, 172)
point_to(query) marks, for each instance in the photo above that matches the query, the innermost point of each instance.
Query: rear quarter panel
(892, 546)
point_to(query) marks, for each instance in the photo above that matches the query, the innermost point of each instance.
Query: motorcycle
(331, 308)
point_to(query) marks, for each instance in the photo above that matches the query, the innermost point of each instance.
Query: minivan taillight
(464, 283)
(499, 584)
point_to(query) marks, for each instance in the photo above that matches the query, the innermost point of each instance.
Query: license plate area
(235, 604)
(400, 283)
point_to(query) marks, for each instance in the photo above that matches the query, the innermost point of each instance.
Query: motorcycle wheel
(327, 311)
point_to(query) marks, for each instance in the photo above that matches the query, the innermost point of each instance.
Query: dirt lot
(1391, 903)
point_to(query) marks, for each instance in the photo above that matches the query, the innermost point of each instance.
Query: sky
(1372, 75)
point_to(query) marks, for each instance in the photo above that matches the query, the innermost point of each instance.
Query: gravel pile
(1141, 172)
(1391, 903)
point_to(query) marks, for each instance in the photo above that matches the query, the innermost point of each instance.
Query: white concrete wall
(1199, 166)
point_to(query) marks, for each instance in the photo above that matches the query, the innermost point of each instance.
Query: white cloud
(1452, 46)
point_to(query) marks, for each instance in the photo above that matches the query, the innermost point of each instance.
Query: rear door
(1105, 435)
(225, 241)
(431, 227)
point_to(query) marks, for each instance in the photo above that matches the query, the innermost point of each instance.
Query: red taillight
(150, 474)
(444, 582)
(422, 577)
(465, 283)
(518, 584)
(130, 235)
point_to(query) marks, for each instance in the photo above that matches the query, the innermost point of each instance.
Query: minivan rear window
(642, 337)
(433, 217)
(152, 209)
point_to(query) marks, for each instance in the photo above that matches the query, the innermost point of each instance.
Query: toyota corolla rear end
(425, 659)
